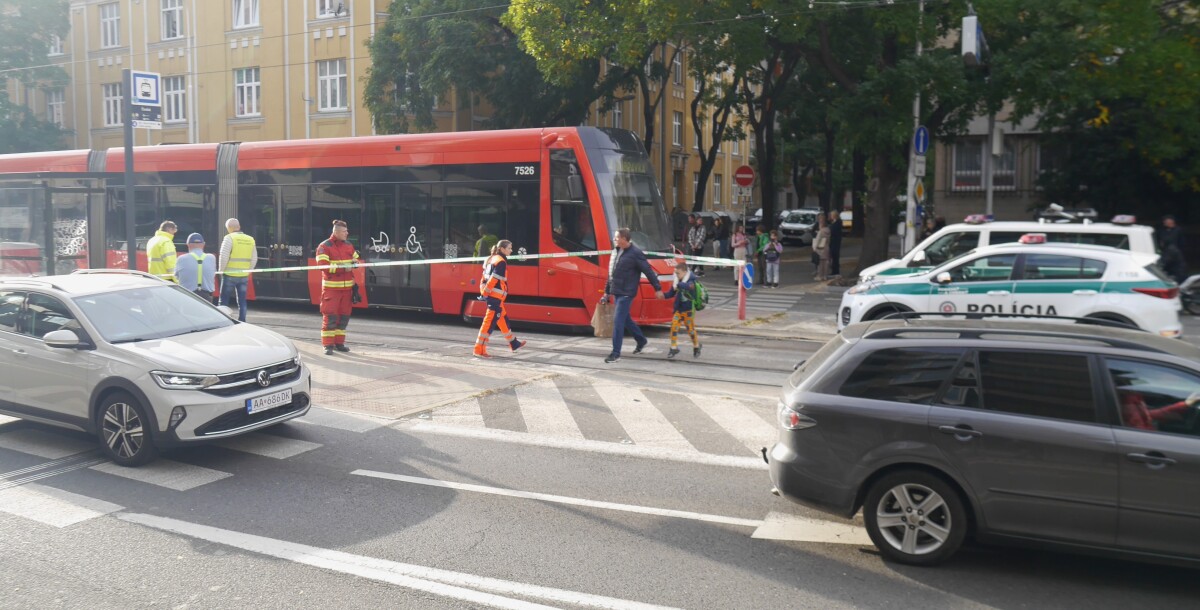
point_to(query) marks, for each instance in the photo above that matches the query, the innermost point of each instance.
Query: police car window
(1112, 240)
(10, 309)
(1155, 397)
(909, 375)
(951, 245)
(1057, 267)
(985, 269)
(1005, 237)
(1055, 385)
(46, 314)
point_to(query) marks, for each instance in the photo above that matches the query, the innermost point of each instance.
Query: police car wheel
(882, 312)
(915, 517)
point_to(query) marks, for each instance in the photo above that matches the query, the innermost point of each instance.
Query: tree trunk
(877, 213)
(827, 202)
(858, 190)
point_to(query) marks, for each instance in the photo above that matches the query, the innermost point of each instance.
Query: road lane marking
(4, 419)
(782, 526)
(530, 495)
(267, 445)
(456, 585)
(466, 413)
(329, 418)
(545, 411)
(737, 419)
(51, 506)
(166, 473)
(44, 444)
(644, 423)
(635, 451)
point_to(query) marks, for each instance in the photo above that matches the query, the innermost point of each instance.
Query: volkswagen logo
(264, 379)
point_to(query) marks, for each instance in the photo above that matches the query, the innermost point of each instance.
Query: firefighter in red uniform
(494, 288)
(337, 287)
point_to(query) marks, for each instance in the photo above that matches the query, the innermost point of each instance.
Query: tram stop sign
(744, 176)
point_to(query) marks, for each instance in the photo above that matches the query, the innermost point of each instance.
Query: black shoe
(341, 348)
(696, 352)
(328, 350)
(516, 345)
(612, 358)
(641, 346)
(671, 353)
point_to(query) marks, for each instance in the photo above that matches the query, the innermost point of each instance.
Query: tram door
(396, 229)
(275, 217)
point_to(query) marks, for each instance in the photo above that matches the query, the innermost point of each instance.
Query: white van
(957, 239)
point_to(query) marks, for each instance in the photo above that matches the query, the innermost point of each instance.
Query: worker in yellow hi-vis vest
(239, 254)
(160, 251)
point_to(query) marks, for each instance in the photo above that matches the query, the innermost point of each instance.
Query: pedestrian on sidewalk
(697, 235)
(625, 265)
(160, 252)
(739, 251)
(760, 249)
(239, 254)
(773, 255)
(835, 243)
(196, 270)
(684, 293)
(821, 249)
(721, 247)
(337, 286)
(493, 286)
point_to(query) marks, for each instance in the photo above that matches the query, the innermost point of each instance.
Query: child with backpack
(773, 254)
(690, 296)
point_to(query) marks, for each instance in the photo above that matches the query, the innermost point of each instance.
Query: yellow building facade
(254, 70)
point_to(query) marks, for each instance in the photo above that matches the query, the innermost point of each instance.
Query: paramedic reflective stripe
(496, 292)
(335, 284)
(323, 258)
(491, 276)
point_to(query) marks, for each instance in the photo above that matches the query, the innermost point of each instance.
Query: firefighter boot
(516, 345)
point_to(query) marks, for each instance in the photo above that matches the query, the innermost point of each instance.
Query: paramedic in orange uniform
(494, 288)
(337, 286)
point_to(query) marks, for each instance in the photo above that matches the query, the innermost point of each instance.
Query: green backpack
(699, 297)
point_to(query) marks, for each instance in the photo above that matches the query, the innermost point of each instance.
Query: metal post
(127, 122)
(741, 292)
(989, 162)
(910, 200)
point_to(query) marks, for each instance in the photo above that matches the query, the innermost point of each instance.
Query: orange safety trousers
(335, 310)
(495, 318)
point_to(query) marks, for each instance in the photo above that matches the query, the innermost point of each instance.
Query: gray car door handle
(963, 432)
(1085, 292)
(1152, 459)
(998, 293)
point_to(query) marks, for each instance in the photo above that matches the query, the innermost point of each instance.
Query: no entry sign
(744, 176)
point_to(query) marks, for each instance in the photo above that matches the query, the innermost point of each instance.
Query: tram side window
(523, 220)
(475, 218)
(570, 214)
(18, 214)
(332, 202)
(257, 214)
(191, 208)
(146, 219)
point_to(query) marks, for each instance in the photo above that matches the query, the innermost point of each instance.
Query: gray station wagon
(1078, 437)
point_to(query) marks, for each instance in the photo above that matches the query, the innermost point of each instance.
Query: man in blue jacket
(627, 263)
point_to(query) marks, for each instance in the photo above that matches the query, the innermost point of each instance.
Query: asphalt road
(338, 510)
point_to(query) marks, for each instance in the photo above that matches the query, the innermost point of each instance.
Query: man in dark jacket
(627, 263)
(835, 243)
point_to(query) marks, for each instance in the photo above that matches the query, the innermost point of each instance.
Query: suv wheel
(915, 518)
(125, 432)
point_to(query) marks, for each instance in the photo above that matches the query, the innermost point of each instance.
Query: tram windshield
(632, 198)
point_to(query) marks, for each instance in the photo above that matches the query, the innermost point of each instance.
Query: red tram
(413, 198)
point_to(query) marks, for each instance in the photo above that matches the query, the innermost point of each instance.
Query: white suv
(141, 363)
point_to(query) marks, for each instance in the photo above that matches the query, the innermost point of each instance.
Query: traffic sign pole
(127, 128)
(920, 144)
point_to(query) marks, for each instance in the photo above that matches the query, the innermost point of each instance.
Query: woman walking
(821, 248)
(739, 251)
(494, 288)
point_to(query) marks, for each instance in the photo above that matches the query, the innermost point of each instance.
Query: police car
(1030, 277)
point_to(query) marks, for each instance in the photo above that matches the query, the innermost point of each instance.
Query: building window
(677, 128)
(618, 115)
(172, 19)
(737, 148)
(331, 8)
(968, 166)
(696, 85)
(246, 88)
(110, 25)
(175, 98)
(56, 45)
(677, 70)
(245, 13)
(331, 85)
(718, 188)
(54, 106)
(112, 104)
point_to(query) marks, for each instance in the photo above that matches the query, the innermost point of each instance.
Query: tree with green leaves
(428, 48)
(26, 27)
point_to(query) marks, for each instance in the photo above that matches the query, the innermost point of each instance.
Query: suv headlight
(183, 381)
(862, 287)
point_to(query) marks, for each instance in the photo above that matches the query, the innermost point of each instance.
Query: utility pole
(910, 233)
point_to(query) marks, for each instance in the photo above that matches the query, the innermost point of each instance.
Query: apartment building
(253, 70)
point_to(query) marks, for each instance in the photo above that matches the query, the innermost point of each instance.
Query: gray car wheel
(125, 431)
(915, 518)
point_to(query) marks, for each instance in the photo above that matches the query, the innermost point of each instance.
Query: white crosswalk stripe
(268, 445)
(644, 424)
(466, 414)
(4, 419)
(738, 420)
(44, 443)
(350, 422)
(51, 506)
(545, 411)
(166, 473)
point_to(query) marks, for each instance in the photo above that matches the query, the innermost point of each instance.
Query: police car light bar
(977, 219)
(1124, 219)
(1033, 238)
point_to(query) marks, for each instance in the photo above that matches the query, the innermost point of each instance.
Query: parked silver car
(1079, 437)
(141, 363)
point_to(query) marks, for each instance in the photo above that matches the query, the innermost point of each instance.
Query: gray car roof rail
(976, 315)
(960, 332)
(106, 271)
(34, 281)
